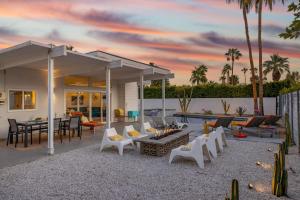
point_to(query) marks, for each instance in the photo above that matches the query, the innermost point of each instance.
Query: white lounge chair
(198, 148)
(220, 139)
(130, 128)
(173, 122)
(108, 142)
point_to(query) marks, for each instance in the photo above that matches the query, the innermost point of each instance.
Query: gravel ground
(88, 174)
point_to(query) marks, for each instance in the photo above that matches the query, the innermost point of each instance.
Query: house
(44, 80)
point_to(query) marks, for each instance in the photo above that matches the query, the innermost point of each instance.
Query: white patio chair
(220, 139)
(159, 122)
(107, 142)
(146, 127)
(198, 149)
(172, 121)
(129, 128)
(211, 143)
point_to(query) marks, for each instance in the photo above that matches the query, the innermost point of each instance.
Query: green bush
(293, 88)
(216, 90)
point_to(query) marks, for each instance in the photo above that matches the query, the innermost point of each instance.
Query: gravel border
(86, 173)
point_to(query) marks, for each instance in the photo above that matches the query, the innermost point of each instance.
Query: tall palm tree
(222, 79)
(259, 7)
(232, 55)
(244, 70)
(277, 65)
(246, 5)
(199, 75)
(226, 70)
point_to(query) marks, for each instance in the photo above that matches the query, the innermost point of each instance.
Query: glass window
(15, 100)
(29, 100)
(22, 100)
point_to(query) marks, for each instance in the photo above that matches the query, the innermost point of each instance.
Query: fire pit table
(160, 145)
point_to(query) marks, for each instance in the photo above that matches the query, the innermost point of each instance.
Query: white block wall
(214, 104)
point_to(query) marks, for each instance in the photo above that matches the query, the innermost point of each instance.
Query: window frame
(23, 100)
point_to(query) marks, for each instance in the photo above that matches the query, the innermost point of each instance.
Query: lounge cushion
(134, 133)
(116, 137)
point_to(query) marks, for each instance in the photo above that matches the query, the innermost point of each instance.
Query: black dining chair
(56, 129)
(73, 125)
(14, 130)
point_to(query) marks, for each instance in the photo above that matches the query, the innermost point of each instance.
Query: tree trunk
(253, 81)
(261, 86)
(232, 64)
(228, 77)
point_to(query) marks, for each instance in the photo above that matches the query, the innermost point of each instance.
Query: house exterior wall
(131, 97)
(214, 104)
(29, 79)
(22, 78)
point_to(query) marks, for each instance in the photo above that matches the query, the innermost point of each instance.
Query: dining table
(28, 126)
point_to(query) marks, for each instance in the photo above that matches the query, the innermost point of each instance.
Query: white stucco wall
(214, 104)
(22, 78)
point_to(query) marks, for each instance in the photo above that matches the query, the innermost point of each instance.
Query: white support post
(108, 111)
(50, 105)
(163, 98)
(90, 106)
(101, 107)
(142, 101)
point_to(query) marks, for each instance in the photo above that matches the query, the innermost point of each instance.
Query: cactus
(235, 190)
(226, 106)
(288, 137)
(275, 176)
(280, 175)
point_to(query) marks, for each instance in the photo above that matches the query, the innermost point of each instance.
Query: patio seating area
(136, 176)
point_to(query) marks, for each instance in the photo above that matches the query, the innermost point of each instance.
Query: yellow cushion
(134, 133)
(186, 147)
(235, 123)
(152, 130)
(116, 137)
(205, 128)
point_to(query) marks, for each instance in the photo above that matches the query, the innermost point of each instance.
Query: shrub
(215, 90)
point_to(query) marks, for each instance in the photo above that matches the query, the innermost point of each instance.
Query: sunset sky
(176, 34)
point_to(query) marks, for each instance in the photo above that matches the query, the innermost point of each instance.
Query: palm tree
(244, 70)
(234, 80)
(232, 55)
(246, 6)
(225, 72)
(293, 77)
(277, 65)
(199, 75)
(259, 6)
(222, 78)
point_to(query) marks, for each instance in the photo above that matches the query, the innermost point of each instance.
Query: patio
(85, 173)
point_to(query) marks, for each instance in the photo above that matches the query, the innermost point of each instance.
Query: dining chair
(14, 130)
(56, 129)
(73, 125)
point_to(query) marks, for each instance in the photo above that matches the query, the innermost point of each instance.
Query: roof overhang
(35, 55)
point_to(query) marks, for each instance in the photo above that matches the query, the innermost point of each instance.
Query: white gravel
(88, 174)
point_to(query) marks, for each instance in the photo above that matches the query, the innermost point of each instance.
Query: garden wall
(214, 104)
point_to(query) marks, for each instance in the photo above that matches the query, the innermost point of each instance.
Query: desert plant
(226, 106)
(280, 175)
(185, 100)
(241, 110)
(288, 137)
(207, 112)
(234, 190)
